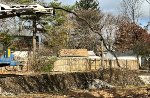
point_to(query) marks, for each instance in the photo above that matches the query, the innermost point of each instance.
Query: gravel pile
(99, 84)
(145, 78)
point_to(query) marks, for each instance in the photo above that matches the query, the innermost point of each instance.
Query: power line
(148, 1)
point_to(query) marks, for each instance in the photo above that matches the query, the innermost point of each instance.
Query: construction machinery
(7, 61)
(37, 8)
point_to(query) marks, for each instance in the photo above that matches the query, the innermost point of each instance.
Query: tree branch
(92, 29)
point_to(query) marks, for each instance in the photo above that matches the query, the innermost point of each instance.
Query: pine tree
(87, 4)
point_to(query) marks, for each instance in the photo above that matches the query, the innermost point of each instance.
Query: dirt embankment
(140, 92)
(45, 83)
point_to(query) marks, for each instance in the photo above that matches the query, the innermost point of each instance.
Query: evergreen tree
(58, 28)
(87, 4)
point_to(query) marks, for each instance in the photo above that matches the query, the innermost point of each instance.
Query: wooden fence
(86, 64)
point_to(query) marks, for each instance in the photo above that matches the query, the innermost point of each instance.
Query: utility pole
(102, 54)
(102, 64)
(34, 37)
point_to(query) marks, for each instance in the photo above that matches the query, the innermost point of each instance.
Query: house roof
(73, 53)
(120, 55)
(127, 53)
(91, 53)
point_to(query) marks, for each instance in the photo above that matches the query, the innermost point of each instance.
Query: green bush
(47, 68)
(49, 64)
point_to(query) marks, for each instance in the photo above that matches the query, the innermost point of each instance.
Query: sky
(113, 6)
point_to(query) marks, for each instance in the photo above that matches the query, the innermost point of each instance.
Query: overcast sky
(113, 6)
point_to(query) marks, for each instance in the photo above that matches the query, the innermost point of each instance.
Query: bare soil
(130, 92)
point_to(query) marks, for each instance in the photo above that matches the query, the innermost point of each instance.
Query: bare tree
(132, 9)
(84, 37)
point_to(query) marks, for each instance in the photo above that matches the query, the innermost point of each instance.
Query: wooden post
(95, 63)
(126, 63)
